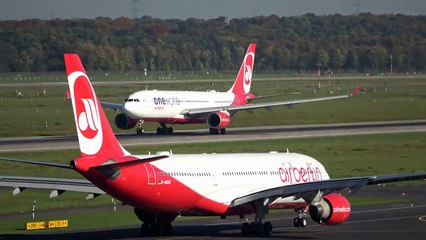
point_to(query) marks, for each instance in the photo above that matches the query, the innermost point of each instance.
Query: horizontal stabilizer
(131, 162)
(47, 164)
(56, 185)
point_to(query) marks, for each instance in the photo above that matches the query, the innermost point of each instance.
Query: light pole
(319, 64)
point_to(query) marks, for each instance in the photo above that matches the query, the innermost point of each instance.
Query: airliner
(164, 185)
(189, 107)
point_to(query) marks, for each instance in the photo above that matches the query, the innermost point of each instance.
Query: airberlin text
(342, 209)
(307, 173)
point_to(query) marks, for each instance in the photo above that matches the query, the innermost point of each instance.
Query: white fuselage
(222, 178)
(152, 105)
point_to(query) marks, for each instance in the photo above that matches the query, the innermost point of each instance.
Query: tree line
(363, 42)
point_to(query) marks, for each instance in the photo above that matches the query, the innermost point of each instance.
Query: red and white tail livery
(94, 132)
(242, 83)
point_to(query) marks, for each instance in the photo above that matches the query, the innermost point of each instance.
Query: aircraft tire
(139, 131)
(303, 223)
(245, 229)
(267, 229)
(299, 222)
(296, 222)
(165, 229)
(146, 229)
(213, 131)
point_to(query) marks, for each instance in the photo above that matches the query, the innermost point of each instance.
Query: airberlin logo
(306, 173)
(86, 112)
(341, 209)
(247, 75)
(88, 120)
(248, 70)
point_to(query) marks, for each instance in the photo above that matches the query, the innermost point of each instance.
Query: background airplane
(185, 107)
(163, 186)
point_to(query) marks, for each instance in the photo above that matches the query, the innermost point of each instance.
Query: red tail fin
(243, 81)
(95, 135)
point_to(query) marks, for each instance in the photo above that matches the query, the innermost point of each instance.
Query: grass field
(35, 111)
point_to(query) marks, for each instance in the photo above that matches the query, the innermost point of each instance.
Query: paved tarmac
(405, 219)
(233, 134)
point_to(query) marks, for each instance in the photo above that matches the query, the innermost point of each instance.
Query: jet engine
(122, 121)
(333, 209)
(218, 120)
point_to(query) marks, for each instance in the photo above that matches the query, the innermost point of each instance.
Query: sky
(206, 9)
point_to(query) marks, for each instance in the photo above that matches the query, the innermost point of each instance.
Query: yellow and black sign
(46, 225)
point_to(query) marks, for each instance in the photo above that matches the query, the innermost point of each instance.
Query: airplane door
(150, 173)
(214, 177)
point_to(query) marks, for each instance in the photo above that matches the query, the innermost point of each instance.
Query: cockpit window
(131, 100)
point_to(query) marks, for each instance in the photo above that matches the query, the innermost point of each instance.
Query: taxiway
(233, 134)
(405, 218)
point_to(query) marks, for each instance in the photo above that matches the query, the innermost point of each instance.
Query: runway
(405, 219)
(233, 134)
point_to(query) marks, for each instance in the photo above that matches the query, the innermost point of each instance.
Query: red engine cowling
(122, 121)
(333, 209)
(218, 120)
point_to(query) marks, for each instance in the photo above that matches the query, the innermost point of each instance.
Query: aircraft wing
(56, 185)
(310, 189)
(200, 111)
(115, 106)
(271, 96)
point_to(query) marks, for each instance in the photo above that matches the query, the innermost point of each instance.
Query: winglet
(355, 91)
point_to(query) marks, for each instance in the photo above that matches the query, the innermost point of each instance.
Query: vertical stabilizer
(242, 83)
(95, 135)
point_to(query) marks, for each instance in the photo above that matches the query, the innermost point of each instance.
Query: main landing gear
(163, 130)
(216, 131)
(155, 224)
(258, 227)
(300, 221)
(156, 229)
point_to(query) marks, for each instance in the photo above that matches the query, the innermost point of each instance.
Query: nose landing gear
(300, 221)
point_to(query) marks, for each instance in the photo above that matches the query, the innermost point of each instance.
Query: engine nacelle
(122, 121)
(218, 120)
(333, 209)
